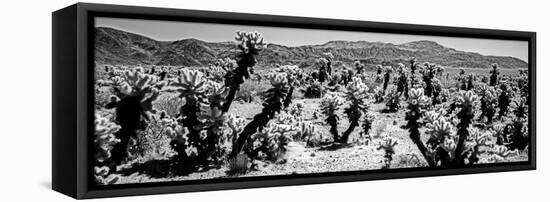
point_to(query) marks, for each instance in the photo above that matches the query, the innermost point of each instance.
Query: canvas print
(182, 101)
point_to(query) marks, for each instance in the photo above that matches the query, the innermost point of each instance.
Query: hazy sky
(170, 31)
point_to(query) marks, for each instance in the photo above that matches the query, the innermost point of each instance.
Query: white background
(25, 87)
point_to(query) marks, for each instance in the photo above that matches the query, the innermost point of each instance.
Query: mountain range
(114, 46)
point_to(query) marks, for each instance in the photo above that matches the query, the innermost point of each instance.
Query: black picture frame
(72, 83)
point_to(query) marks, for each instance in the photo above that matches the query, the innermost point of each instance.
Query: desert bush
(238, 165)
(314, 90)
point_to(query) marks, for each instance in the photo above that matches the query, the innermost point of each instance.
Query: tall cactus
(134, 91)
(356, 93)
(192, 88)
(273, 104)
(493, 81)
(417, 100)
(467, 101)
(330, 103)
(250, 44)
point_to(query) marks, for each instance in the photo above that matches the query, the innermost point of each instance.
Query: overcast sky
(170, 31)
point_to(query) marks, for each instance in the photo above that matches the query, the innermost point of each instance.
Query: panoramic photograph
(179, 101)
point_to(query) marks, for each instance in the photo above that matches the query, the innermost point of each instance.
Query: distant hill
(114, 46)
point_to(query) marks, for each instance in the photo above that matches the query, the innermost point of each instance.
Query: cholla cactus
(467, 101)
(378, 95)
(273, 104)
(330, 103)
(356, 93)
(306, 131)
(428, 75)
(250, 43)
(475, 144)
(504, 100)
(387, 77)
(494, 75)
(202, 125)
(412, 61)
(269, 143)
(297, 109)
(388, 145)
(105, 139)
(392, 100)
(292, 72)
(488, 103)
(416, 102)
(368, 120)
(402, 81)
(519, 137)
(134, 91)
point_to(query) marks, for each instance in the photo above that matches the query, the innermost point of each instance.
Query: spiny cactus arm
(467, 99)
(272, 105)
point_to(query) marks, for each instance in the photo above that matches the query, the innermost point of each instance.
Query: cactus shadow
(334, 146)
(162, 168)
